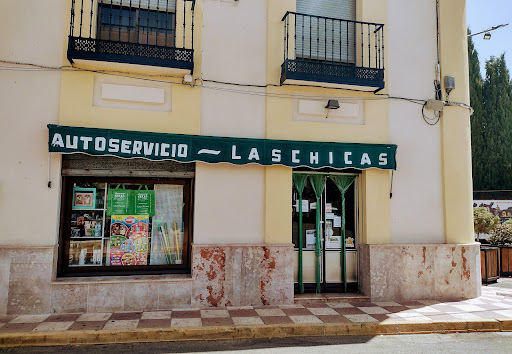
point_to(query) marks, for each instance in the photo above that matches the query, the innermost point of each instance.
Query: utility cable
(153, 78)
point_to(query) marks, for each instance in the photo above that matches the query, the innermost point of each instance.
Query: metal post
(301, 271)
(285, 34)
(302, 53)
(192, 14)
(110, 20)
(137, 26)
(378, 36)
(362, 45)
(90, 23)
(343, 255)
(310, 36)
(147, 24)
(120, 20)
(332, 40)
(317, 37)
(295, 37)
(369, 47)
(184, 20)
(72, 22)
(166, 20)
(318, 251)
(382, 28)
(376, 50)
(157, 17)
(129, 21)
(325, 39)
(81, 17)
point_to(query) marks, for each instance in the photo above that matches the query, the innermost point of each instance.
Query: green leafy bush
(484, 222)
(501, 235)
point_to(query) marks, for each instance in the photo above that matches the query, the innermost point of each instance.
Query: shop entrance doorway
(324, 232)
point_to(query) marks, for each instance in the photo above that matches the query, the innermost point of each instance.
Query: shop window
(125, 226)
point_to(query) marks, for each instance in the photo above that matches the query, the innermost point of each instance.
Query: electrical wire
(153, 78)
(430, 120)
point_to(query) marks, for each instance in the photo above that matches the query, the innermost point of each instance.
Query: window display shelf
(87, 210)
(86, 238)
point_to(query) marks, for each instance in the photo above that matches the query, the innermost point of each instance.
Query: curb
(248, 332)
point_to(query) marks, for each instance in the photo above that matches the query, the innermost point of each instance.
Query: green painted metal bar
(343, 256)
(318, 251)
(318, 184)
(343, 182)
(300, 181)
(301, 270)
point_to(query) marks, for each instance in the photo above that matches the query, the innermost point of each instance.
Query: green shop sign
(237, 151)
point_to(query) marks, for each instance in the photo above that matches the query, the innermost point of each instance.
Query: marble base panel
(419, 272)
(132, 293)
(242, 275)
(28, 286)
(25, 279)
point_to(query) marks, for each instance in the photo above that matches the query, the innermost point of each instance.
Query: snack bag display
(129, 239)
(115, 257)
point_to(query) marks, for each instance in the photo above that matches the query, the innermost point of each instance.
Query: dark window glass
(136, 25)
(124, 225)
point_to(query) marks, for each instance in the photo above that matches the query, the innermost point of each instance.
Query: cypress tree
(478, 117)
(495, 161)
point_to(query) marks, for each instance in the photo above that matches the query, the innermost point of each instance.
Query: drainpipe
(437, 82)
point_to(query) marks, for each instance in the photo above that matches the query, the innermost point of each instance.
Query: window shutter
(325, 39)
(161, 5)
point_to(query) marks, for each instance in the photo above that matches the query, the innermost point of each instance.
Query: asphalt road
(417, 343)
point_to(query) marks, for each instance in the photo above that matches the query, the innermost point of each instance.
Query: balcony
(144, 32)
(333, 52)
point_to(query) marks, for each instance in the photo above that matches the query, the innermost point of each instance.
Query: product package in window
(129, 240)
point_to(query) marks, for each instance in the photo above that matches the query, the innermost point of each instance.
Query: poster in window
(129, 240)
(84, 198)
(305, 205)
(310, 238)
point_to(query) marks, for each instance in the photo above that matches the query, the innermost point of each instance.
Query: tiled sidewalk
(495, 303)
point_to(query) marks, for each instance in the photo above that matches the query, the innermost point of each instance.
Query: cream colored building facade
(411, 226)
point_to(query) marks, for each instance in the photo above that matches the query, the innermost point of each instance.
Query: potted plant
(484, 223)
(502, 238)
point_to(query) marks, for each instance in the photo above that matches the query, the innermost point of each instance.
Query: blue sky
(483, 14)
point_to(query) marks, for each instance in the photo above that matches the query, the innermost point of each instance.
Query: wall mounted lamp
(332, 104)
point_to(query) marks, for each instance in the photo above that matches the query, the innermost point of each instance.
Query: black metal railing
(146, 32)
(324, 49)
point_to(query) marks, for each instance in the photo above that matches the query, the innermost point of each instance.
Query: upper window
(144, 24)
(321, 38)
(323, 43)
(141, 32)
(124, 225)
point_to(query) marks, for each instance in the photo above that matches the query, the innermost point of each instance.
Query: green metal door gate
(318, 182)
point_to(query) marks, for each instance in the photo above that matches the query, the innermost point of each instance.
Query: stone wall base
(242, 275)
(234, 275)
(419, 272)
(28, 286)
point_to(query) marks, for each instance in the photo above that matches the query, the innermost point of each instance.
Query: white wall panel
(234, 41)
(229, 204)
(417, 203)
